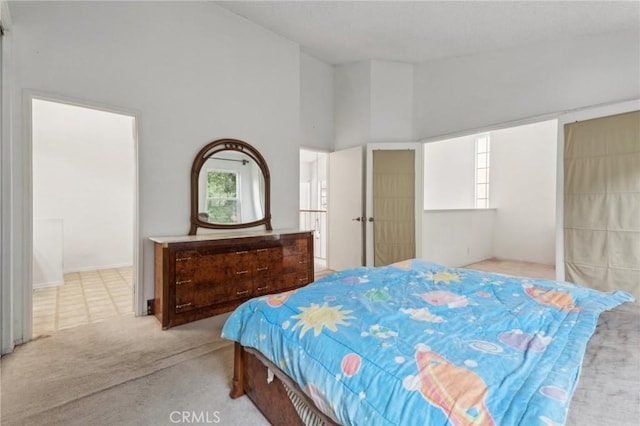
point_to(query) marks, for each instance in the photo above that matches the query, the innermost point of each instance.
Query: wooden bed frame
(251, 376)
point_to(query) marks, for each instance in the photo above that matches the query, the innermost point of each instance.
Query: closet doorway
(393, 196)
(84, 189)
(376, 202)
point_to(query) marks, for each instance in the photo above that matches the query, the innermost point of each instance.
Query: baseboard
(97, 268)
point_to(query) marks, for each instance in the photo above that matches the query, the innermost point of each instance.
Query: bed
(419, 343)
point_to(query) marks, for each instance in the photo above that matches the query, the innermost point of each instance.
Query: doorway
(354, 235)
(83, 174)
(313, 202)
(492, 195)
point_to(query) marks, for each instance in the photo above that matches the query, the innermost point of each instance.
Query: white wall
(391, 102)
(478, 92)
(83, 173)
(523, 191)
(449, 173)
(373, 103)
(48, 256)
(316, 103)
(191, 71)
(457, 237)
(352, 97)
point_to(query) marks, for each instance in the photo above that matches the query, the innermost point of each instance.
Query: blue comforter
(417, 343)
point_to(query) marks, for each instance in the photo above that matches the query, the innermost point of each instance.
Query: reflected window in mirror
(230, 187)
(222, 198)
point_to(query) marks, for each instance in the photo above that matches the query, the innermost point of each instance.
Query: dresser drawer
(229, 267)
(193, 296)
(185, 296)
(293, 279)
(270, 284)
(186, 262)
(295, 263)
(295, 246)
(268, 255)
(262, 270)
(216, 268)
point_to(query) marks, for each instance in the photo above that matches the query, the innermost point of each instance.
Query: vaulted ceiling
(418, 31)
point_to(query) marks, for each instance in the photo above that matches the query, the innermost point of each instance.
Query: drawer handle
(263, 268)
(241, 292)
(182, 282)
(242, 272)
(184, 305)
(263, 288)
(261, 250)
(182, 259)
(302, 261)
(302, 279)
(242, 252)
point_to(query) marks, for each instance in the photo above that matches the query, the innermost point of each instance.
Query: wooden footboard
(251, 377)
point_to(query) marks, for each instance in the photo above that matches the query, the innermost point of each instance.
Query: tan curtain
(602, 203)
(393, 206)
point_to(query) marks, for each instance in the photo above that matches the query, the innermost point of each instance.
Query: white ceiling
(417, 31)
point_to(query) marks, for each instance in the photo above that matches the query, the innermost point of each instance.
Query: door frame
(419, 192)
(23, 303)
(6, 332)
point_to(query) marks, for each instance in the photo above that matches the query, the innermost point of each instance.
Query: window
(223, 200)
(483, 145)
(456, 173)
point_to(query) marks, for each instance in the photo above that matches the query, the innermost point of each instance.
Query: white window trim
(486, 199)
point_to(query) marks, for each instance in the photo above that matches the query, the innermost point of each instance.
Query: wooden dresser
(198, 276)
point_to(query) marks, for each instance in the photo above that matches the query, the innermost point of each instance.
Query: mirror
(229, 187)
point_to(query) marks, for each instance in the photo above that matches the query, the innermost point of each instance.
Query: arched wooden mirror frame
(207, 152)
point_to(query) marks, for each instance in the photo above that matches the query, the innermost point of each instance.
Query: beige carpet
(515, 267)
(124, 372)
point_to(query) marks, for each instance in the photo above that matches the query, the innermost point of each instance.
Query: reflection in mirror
(229, 187)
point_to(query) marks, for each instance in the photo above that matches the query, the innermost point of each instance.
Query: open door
(345, 205)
